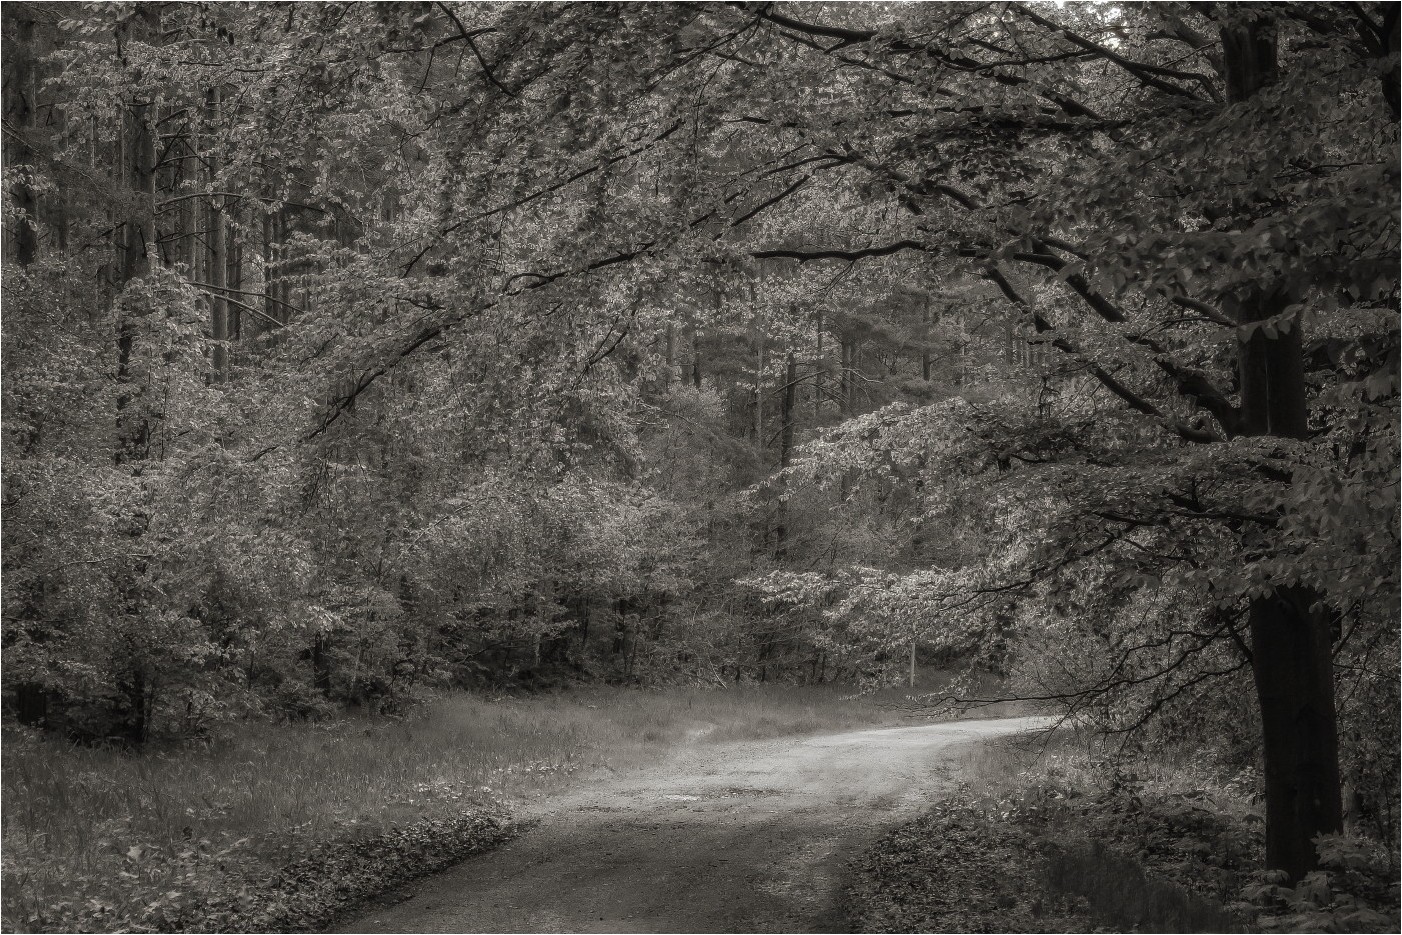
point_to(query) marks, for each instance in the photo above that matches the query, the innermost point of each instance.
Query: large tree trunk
(1290, 634)
(1295, 684)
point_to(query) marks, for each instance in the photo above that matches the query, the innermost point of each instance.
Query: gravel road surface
(743, 837)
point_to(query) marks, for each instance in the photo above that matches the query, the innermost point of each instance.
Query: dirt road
(747, 837)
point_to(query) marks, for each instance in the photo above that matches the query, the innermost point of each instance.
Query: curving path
(746, 837)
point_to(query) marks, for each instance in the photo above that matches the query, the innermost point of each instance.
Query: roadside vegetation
(1052, 834)
(275, 826)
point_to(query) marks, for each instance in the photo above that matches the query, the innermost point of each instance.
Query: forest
(357, 352)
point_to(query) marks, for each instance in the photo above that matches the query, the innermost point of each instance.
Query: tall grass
(92, 826)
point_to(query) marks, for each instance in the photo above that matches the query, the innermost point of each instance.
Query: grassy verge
(1051, 836)
(273, 827)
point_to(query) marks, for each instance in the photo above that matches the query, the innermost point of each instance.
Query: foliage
(357, 347)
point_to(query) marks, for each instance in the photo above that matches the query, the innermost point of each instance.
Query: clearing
(750, 836)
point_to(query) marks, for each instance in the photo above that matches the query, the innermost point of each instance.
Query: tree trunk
(218, 265)
(141, 163)
(136, 724)
(583, 631)
(620, 627)
(23, 243)
(31, 704)
(270, 307)
(234, 280)
(321, 665)
(671, 349)
(1290, 635)
(696, 357)
(781, 528)
(759, 377)
(925, 350)
(139, 157)
(844, 380)
(1293, 667)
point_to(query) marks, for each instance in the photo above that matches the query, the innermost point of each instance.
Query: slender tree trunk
(321, 665)
(925, 350)
(1290, 634)
(671, 356)
(855, 385)
(583, 631)
(696, 357)
(759, 376)
(282, 265)
(620, 626)
(141, 163)
(139, 155)
(270, 306)
(136, 726)
(844, 379)
(218, 264)
(232, 314)
(787, 416)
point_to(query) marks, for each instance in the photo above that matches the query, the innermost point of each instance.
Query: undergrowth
(102, 839)
(1167, 842)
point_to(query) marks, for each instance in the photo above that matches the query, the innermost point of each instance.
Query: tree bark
(139, 156)
(758, 326)
(671, 349)
(781, 529)
(1290, 636)
(321, 665)
(218, 265)
(696, 357)
(846, 379)
(925, 350)
(1294, 673)
(270, 306)
(141, 162)
(234, 280)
